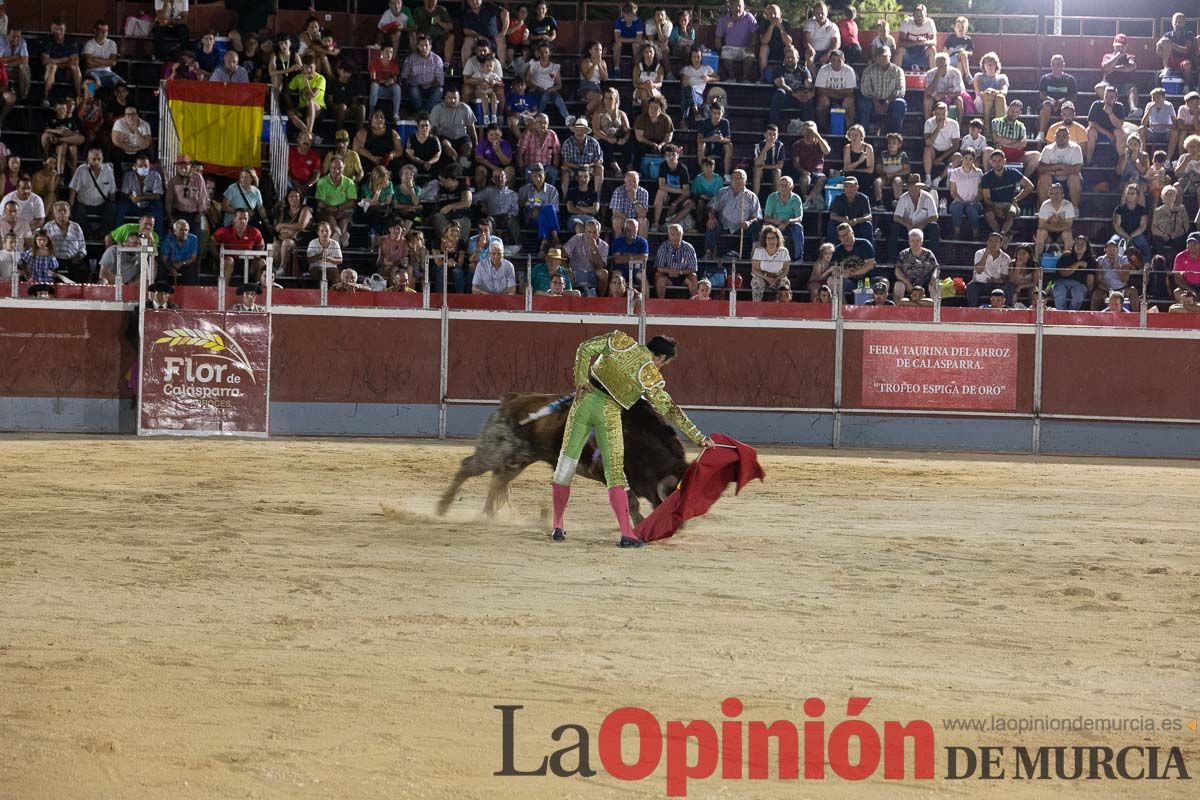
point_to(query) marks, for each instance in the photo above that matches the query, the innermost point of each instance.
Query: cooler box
(1171, 82)
(650, 166)
(406, 128)
(861, 296)
(266, 126)
(1050, 261)
(837, 121)
(710, 58)
(914, 80)
(221, 44)
(833, 188)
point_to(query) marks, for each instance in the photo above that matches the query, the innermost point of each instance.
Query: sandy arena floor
(198, 619)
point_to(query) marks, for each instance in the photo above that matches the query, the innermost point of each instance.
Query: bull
(654, 457)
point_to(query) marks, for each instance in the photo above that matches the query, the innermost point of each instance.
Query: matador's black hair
(662, 346)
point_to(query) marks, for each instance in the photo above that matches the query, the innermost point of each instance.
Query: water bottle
(372, 237)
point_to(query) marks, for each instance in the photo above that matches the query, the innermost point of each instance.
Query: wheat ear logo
(215, 341)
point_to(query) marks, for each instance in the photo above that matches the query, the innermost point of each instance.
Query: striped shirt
(544, 152)
(622, 202)
(587, 153)
(682, 258)
(883, 83)
(40, 267)
(69, 243)
(1009, 128)
(423, 71)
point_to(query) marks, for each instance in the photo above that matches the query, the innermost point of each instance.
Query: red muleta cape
(703, 483)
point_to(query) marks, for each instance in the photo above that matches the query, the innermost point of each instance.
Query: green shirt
(121, 234)
(335, 195)
(540, 279)
(1009, 129)
(777, 209)
(316, 83)
(705, 187)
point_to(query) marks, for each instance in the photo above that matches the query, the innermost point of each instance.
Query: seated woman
(377, 197)
(593, 74)
(392, 254)
(647, 76)
(324, 255)
(991, 90)
(293, 223)
(613, 131)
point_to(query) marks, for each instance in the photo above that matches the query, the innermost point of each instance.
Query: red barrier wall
(1121, 376)
(52, 353)
(354, 359)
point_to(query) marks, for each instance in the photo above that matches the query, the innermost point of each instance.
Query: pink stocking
(618, 498)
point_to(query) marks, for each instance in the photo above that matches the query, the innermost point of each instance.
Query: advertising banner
(939, 370)
(205, 373)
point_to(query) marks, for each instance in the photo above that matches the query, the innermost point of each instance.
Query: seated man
(1106, 118)
(628, 31)
(673, 197)
(881, 93)
(348, 282)
(822, 34)
(944, 83)
(1054, 89)
(652, 131)
(454, 124)
(917, 45)
(1055, 219)
(916, 209)
(581, 153)
(793, 89)
(735, 209)
(495, 274)
(179, 255)
(853, 208)
(769, 159)
(539, 201)
(808, 162)
(714, 137)
(1115, 275)
(1009, 135)
(1186, 267)
(836, 84)
(785, 211)
(240, 236)
(553, 269)
(942, 136)
(629, 201)
(119, 264)
(587, 256)
(629, 252)
(1185, 303)
(1061, 162)
(1177, 48)
(853, 258)
(336, 197)
(736, 30)
(502, 205)
(991, 272)
(675, 263)
(1002, 189)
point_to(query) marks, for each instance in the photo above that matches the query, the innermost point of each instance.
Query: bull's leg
(470, 467)
(635, 511)
(498, 489)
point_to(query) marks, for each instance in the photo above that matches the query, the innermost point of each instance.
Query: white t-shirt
(107, 50)
(318, 255)
(821, 36)
(652, 29)
(1066, 210)
(179, 8)
(844, 78)
(1070, 155)
(27, 210)
(772, 264)
(995, 268)
(695, 78)
(927, 28)
(946, 136)
(403, 19)
(543, 77)
(976, 143)
(967, 183)
(474, 69)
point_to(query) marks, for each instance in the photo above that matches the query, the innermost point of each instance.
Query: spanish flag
(218, 124)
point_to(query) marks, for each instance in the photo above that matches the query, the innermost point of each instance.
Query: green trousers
(600, 413)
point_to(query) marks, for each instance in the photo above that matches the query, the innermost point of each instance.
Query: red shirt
(250, 240)
(848, 28)
(302, 166)
(1190, 267)
(381, 71)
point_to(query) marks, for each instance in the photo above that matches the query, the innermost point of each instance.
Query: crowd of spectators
(466, 143)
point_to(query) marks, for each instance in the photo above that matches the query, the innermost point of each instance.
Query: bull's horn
(666, 486)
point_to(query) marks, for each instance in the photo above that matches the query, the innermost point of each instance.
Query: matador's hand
(707, 442)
